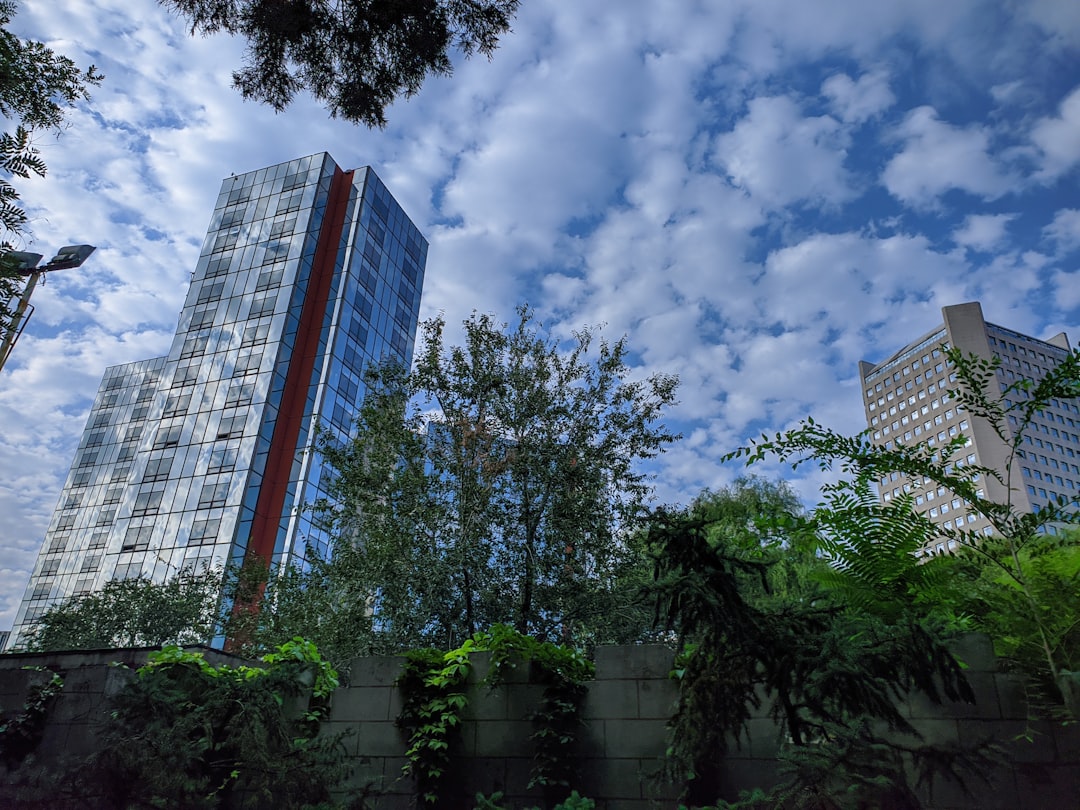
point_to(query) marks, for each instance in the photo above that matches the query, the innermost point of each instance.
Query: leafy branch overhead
(355, 56)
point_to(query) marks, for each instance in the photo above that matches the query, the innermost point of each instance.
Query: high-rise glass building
(308, 274)
(909, 399)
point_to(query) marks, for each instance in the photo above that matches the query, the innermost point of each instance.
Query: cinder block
(1009, 735)
(611, 699)
(361, 704)
(508, 738)
(657, 698)
(634, 738)
(486, 703)
(975, 650)
(380, 740)
(382, 670)
(485, 775)
(1012, 700)
(764, 738)
(655, 786)
(948, 794)
(633, 661)
(522, 700)
(1049, 786)
(611, 778)
(737, 774)
(1068, 744)
(986, 706)
(943, 731)
(591, 738)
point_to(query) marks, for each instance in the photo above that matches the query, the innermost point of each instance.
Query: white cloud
(1058, 139)
(779, 156)
(983, 232)
(937, 157)
(859, 100)
(1064, 231)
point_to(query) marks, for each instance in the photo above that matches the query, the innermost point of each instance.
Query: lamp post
(26, 264)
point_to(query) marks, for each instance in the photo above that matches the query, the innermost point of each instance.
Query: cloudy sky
(760, 193)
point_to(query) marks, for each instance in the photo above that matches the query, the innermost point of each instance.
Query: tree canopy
(497, 482)
(133, 613)
(355, 56)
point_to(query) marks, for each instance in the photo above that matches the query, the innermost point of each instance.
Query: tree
(873, 546)
(496, 483)
(356, 56)
(133, 613)
(37, 87)
(743, 591)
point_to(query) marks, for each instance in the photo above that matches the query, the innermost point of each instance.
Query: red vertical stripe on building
(270, 505)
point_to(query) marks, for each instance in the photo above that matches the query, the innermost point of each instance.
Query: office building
(307, 275)
(909, 399)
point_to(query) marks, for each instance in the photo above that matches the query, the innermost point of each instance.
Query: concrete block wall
(622, 741)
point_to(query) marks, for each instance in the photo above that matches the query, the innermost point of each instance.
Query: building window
(248, 364)
(239, 394)
(49, 567)
(271, 277)
(213, 494)
(65, 523)
(186, 375)
(289, 203)
(58, 545)
(254, 335)
(177, 404)
(106, 517)
(137, 538)
(262, 306)
(204, 532)
(231, 426)
(80, 479)
(91, 562)
(210, 292)
(222, 460)
(113, 495)
(147, 503)
(167, 436)
(157, 469)
(119, 473)
(88, 458)
(98, 540)
(127, 451)
(194, 346)
(202, 318)
(217, 267)
(132, 570)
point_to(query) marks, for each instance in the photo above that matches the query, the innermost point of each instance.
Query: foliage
(574, 801)
(496, 483)
(185, 733)
(20, 734)
(356, 56)
(755, 623)
(433, 698)
(133, 613)
(37, 87)
(432, 687)
(1013, 584)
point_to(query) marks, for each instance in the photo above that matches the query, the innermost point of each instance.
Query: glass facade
(307, 275)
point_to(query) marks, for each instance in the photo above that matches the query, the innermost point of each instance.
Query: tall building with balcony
(308, 274)
(909, 399)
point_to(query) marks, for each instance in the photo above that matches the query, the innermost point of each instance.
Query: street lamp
(26, 264)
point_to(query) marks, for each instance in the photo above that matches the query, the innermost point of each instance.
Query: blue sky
(760, 193)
